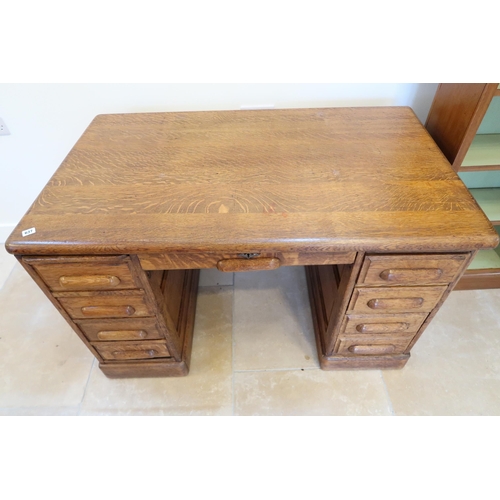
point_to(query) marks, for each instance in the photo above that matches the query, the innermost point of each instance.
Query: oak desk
(361, 196)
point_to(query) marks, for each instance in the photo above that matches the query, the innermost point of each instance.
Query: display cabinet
(464, 120)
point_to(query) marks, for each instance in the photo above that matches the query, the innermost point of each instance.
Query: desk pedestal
(368, 312)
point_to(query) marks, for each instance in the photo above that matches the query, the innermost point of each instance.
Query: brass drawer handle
(258, 264)
(89, 281)
(382, 327)
(421, 275)
(108, 311)
(372, 349)
(397, 303)
(122, 334)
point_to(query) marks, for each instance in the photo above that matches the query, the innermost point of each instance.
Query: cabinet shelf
(483, 153)
(483, 271)
(489, 201)
(486, 259)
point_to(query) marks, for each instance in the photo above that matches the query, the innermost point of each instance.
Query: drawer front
(120, 329)
(419, 269)
(123, 351)
(88, 274)
(105, 306)
(151, 262)
(394, 324)
(395, 300)
(367, 345)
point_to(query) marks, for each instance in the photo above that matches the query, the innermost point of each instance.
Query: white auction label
(29, 231)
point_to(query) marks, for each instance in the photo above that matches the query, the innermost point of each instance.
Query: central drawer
(184, 260)
(395, 300)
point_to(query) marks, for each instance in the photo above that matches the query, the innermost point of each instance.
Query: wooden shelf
(483, 272)
(486, 259)
(484, 153)
(489, 200)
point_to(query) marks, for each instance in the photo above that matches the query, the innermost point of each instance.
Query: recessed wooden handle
(133, 354)
(122, 334)
(89, 281)
(237, 265)
(397, 303)
(108, 311)
(372, 349)
(382, 327)
(406, 275)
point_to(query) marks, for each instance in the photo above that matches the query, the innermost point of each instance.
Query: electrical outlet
(3, 128)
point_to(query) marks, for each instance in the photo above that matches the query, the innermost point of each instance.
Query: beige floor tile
(7, 262)
(272, 321)
(310, 392)
(43, 362)
(207, 390)
(40, 411)
(455, 366)
(214, 277)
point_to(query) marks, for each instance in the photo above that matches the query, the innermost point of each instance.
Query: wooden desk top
(334, 179)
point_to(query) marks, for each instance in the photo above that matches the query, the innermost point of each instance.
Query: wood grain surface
(426, 269)
(395, 300)
(299, 180)
(455, 115)
(206, 260)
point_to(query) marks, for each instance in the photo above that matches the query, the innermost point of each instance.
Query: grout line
(9, 275)
(391, 409)
(86, 386)
(38, 407)
(216, 285)
(232, 349)
(278, 369)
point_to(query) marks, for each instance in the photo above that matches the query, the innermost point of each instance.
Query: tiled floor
(253, 354)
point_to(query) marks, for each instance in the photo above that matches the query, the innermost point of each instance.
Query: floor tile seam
(8, 277)
(38, 407)
(213, 286)
(233, 402)
(386, 390)
(258, 370)
(80, 404)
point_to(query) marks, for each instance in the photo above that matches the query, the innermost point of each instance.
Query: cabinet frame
(454, 118)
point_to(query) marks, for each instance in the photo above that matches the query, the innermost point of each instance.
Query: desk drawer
(372, 345)
(129, 304)
(85, 273)
(151, 262)
(394, 324)
(97, 330)
(395, 300)
(122, 351)
(420, 269)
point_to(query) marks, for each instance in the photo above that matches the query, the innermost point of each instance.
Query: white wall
(45, 120)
